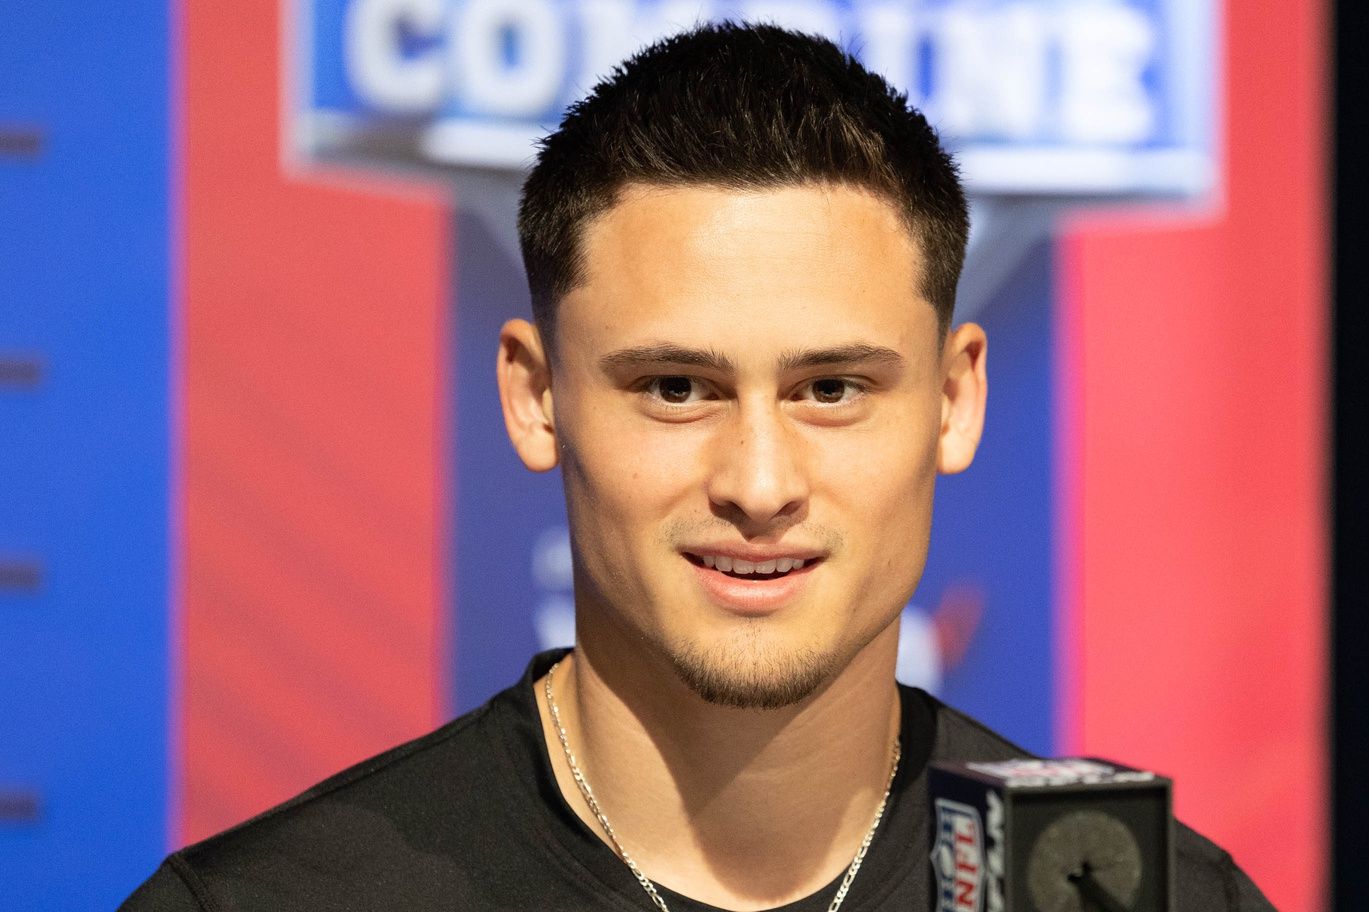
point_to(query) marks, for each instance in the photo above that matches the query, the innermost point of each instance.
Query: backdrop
(258, 518)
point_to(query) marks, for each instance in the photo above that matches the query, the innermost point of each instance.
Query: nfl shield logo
(958, 857)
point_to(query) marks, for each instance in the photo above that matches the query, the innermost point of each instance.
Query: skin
(748, 370)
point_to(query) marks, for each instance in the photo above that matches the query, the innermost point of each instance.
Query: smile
(754, 586)
(735, 566)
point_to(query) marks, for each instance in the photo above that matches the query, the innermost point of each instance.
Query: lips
(752, 586)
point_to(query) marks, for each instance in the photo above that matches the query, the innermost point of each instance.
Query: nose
(757, 478)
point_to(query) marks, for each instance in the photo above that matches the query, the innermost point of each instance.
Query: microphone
(1067, 835)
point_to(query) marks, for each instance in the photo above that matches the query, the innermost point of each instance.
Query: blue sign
(1035, 96)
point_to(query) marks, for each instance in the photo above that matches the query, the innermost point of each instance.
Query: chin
(750, 670)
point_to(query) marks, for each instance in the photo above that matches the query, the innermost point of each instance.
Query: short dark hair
(743, 107)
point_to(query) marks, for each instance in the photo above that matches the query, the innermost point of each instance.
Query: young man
(743, 250)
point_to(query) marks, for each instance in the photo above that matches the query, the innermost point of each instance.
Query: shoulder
(959, 736)
(367, 837)
(1206, 877)
(165, 891)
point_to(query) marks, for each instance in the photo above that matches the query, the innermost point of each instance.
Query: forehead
(695, 260)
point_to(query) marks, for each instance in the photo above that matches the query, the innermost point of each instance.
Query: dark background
(1350, 493)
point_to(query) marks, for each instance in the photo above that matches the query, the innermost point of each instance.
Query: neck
(738, 808)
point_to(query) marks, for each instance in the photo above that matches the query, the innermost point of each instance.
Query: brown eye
(675, 390)
(830, 391)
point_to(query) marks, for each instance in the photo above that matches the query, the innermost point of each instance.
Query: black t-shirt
(470, 817)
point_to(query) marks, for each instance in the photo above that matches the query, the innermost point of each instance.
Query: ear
(965, 386)
(525, 394)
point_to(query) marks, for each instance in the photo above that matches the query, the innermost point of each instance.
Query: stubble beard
(748, 673)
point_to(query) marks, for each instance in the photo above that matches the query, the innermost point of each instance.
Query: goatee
(751, 675)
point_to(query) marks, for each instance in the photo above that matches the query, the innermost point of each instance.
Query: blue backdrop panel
(83, 451)
(502, 511)
(991, 528)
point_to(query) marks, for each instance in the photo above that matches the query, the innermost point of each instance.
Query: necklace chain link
(583, 784)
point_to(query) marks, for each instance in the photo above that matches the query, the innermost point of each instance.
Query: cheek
(879, 485)
(629, 469)
(885, 464)
(624, 480)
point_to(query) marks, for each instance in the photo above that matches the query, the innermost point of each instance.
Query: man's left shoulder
(1206, 876)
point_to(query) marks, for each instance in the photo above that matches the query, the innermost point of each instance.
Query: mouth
(757, 585)
(771, 568)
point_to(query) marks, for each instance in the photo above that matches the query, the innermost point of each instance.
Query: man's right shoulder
(370, 836)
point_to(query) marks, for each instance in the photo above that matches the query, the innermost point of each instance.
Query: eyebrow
(667, 353)
(857, 353)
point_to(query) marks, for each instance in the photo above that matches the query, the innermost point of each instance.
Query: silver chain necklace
(632, 865)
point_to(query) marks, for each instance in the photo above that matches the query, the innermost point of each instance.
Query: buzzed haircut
(742, 107)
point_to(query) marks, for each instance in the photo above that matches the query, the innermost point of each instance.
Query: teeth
(746, 567)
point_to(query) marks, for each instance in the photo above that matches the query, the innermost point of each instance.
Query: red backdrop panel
(312, 462)
(1193, 353)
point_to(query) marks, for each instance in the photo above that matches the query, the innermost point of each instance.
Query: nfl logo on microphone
(958, 857)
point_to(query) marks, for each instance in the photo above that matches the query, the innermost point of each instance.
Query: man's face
(747, 382)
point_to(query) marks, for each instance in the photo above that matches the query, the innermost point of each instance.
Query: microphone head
(1066, 835)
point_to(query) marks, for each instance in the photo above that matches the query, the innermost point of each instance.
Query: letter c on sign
(382, 74)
